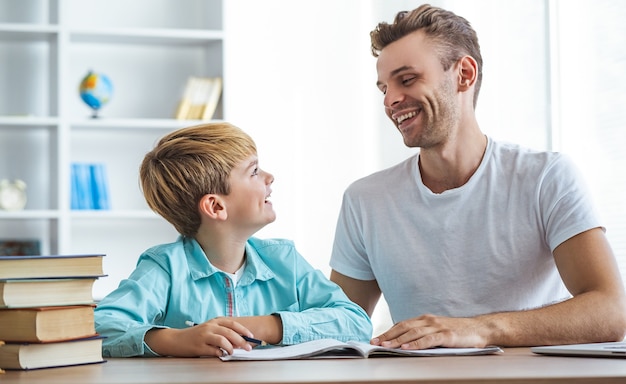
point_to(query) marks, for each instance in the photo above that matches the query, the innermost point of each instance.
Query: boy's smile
(248, 202)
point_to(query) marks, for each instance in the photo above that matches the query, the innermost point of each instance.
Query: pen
(255, 341)
(246, 338)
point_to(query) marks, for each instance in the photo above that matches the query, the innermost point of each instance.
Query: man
(472, 242)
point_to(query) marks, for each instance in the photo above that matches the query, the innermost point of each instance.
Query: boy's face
(248, 202)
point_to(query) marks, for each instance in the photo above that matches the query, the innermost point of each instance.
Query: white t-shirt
(481, 248)
(235, 277)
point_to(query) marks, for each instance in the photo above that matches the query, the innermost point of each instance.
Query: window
(589, 93)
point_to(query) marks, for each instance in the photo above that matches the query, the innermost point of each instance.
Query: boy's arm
(122, 316)
(324, 311)
(266, 328)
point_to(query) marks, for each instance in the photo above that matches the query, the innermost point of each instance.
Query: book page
(296, 351)
(373, 350)
(330, 348)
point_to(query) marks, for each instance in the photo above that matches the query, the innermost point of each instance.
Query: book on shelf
(99, 186)
(184, 106)
(81, 186)
(200, 98)
(19, 247)
(331, 348)
(24, 356)
(212, 99)
(47, 266)
(21, 293)
(47, 324)
(89, 186)
(200, 90)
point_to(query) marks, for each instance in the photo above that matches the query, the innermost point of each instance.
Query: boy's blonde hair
(189, 163)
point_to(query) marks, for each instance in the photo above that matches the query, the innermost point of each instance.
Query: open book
(330, 348)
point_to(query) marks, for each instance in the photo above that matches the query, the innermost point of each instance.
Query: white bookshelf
(148, 48)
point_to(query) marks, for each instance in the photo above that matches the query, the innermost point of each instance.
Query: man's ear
(213, 206)
(468, 73)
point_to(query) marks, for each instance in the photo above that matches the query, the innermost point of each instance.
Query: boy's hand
(212, 338)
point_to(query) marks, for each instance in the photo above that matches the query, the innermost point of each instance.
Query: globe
(95, 90)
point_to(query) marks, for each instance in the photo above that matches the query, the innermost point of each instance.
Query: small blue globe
(95, 90)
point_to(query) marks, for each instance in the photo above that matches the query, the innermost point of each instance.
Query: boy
(205, 180)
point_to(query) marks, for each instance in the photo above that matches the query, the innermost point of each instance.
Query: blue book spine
(99, 187)
(81, 185)
(75, 200)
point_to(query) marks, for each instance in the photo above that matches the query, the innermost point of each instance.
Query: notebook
(613, 349)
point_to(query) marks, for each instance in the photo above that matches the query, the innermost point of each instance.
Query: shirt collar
(200, 267)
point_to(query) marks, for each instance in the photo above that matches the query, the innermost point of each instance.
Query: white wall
(300, 80)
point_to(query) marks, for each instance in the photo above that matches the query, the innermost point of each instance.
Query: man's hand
(212, 338)
(429, 331)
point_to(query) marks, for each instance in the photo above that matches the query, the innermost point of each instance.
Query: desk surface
(515, 365)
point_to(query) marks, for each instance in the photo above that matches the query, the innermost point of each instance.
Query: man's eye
(408, 80)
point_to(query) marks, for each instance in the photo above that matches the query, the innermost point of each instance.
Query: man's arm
(588, 268)
(365, 293)
(595, 313)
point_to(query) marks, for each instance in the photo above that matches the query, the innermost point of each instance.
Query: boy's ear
(213, 206)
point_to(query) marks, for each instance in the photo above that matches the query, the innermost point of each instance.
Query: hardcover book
(81, 197)
(46, 324)
(212, 99)
(20, 293)
(46, 266)
(47, 355)
(200, 98)
(99, 186)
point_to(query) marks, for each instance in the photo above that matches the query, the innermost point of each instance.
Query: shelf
(145, 36)
(32, 121)
(148, 50)
(147, 124)
(30, 214)
(27, 32)
(114, 214)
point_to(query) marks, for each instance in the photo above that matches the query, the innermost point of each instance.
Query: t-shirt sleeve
(349, 255)
(565, 201)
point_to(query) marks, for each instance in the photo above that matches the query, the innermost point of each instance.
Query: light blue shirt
(174, 283)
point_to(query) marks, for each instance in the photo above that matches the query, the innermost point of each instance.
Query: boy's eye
(255, 171)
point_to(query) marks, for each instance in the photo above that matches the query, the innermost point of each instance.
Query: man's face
(420, 97)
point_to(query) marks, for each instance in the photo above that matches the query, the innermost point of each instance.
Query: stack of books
(47, 311)
(200, 98)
